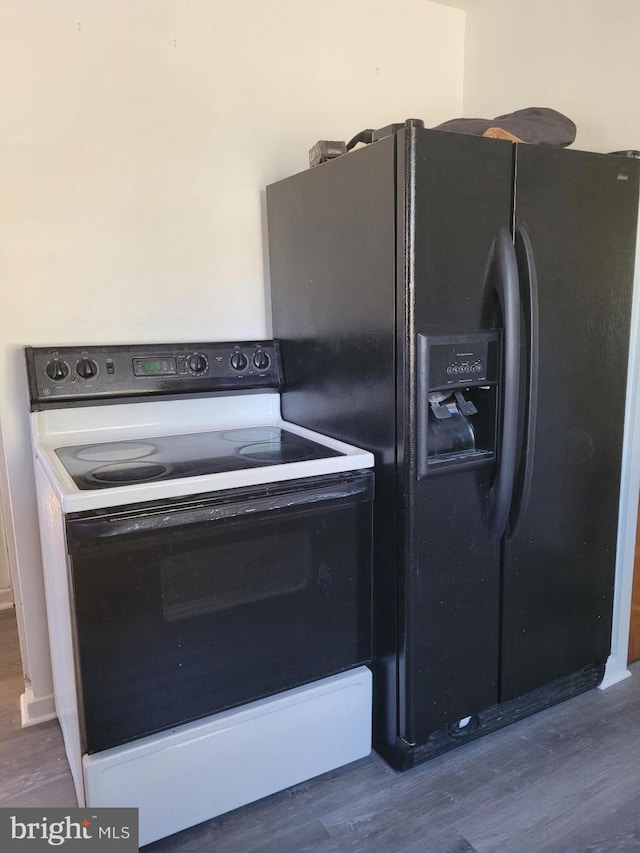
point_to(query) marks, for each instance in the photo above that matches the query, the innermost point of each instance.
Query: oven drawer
(235, 757)
(191, 607)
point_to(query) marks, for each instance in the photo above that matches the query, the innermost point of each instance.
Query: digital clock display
(155, 366)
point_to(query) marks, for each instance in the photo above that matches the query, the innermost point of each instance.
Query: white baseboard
(36, 710)
(615, 672)
(6, 599)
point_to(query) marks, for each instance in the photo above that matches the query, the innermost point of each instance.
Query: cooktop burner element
(115, 452)
(266, 433)
(275, 451)
(126, 472)
(101, 466)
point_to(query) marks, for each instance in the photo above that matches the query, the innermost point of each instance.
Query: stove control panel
(77, 374)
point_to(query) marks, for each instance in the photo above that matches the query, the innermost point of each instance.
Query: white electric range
(207, 573)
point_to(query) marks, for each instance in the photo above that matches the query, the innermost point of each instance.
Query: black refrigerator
(461, 307)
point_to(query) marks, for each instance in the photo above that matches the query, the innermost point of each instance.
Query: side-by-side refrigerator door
(454, 242)
(575, 223)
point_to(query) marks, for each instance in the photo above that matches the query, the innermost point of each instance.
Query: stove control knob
(198, 363)
(86, 368)
(261, 360)
(57, 370)
(238, 361)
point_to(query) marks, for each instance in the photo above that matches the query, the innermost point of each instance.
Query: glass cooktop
(169, 457)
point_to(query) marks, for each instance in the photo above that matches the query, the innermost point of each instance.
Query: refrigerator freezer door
(456, 198)
(576, 210)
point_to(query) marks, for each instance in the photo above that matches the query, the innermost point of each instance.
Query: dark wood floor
(565, 780)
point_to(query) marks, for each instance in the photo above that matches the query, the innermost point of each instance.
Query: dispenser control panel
(457, 400)
(463, 362)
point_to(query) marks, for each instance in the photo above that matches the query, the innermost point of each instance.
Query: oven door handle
(354, 490)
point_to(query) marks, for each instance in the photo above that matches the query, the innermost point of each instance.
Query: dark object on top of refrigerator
(325, 150)
(461, 307)
(540, 125)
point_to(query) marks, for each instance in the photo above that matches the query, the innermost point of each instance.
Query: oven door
(190, 607)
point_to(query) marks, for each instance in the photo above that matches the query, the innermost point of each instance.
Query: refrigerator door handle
(529, 297)
(503, 273)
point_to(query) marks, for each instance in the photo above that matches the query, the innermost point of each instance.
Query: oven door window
(209, 604)
(236, 571)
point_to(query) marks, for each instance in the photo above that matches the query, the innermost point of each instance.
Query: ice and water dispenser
(457, 400)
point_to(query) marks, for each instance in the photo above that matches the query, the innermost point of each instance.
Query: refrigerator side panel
(578, 211)
(332, 264)
(332, 267)
(459, 191)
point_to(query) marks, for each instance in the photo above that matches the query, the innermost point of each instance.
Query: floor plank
(564, 780)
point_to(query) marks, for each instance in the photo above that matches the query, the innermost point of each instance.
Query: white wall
(580, 57)
(6, 598)
(136, 138)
